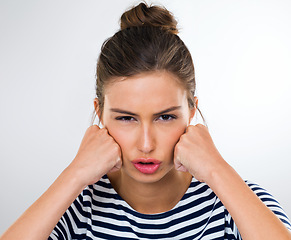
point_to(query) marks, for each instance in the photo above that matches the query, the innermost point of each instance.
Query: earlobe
(97, 109)
(192, 113)
(193, 110)
(96, 106)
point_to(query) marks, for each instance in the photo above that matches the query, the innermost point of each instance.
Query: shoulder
(201, 193)
(263, 194)
(270, 201)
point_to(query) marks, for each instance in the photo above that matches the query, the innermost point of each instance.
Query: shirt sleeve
(231, 231)
(271, 203)
(73, 223)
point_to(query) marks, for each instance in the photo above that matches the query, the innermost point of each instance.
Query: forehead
(155, 89)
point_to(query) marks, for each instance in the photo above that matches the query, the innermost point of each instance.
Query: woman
(148, 173)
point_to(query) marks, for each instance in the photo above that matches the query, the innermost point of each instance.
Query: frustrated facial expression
(146, 114)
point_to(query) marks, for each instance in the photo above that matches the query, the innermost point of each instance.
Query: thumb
(179, 166)
(117, 166)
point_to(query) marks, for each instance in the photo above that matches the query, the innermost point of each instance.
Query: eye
(166, 117)
(125, 118)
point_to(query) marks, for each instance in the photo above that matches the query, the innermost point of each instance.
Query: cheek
(166, 138)
(171, 138)
(123, 139)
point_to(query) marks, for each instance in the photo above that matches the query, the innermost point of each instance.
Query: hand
(196, 153)
(98, 154)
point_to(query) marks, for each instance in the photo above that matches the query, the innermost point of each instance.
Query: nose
(146, 139)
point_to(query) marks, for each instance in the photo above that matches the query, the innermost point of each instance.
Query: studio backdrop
(48, 54)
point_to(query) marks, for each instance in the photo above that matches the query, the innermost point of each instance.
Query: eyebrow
(117, 110)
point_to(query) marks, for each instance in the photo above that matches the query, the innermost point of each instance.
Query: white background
(48, 53)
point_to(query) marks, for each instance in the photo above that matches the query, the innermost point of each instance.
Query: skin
(184, 151)
(132, 115)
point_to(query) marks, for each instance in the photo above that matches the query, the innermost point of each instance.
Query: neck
(150, 198)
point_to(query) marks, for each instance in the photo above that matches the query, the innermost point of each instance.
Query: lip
(146, 165)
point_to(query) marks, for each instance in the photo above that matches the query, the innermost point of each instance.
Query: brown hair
(147, 41)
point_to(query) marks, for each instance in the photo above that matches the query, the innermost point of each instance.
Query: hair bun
(143, 15)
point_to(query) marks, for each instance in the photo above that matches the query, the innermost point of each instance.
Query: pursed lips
(146, 165)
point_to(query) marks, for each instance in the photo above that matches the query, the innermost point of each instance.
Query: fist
(98, 154)
(196, 153)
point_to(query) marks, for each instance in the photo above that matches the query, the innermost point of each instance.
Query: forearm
(253, 219)
(38, 221)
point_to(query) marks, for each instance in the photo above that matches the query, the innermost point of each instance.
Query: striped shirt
(100, 213)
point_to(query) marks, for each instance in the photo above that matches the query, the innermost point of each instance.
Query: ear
(97, 109)
(193, 110)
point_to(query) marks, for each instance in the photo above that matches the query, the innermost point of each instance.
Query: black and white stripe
(100, 213)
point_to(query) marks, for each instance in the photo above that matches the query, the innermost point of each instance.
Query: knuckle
(178, 148)
(191, 127)
(182, 137)
(103, 133)
(93, 127)
(115, 148)
(200, 126)
(119, 162)
(103, 130)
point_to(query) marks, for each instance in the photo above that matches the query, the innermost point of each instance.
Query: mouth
(146, 165)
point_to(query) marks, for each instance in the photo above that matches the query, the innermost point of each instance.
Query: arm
(253, 219)
(98, 154)
(196, 153)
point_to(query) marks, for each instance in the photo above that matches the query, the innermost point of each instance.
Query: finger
(117, 165)
(93, 127)
(180, 167)
(189, 127)
(114, 169)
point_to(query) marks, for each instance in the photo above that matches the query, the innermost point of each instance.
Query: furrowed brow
(117, 110)
(168, 110)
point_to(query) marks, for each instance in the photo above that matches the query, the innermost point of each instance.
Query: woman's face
(146, 114)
